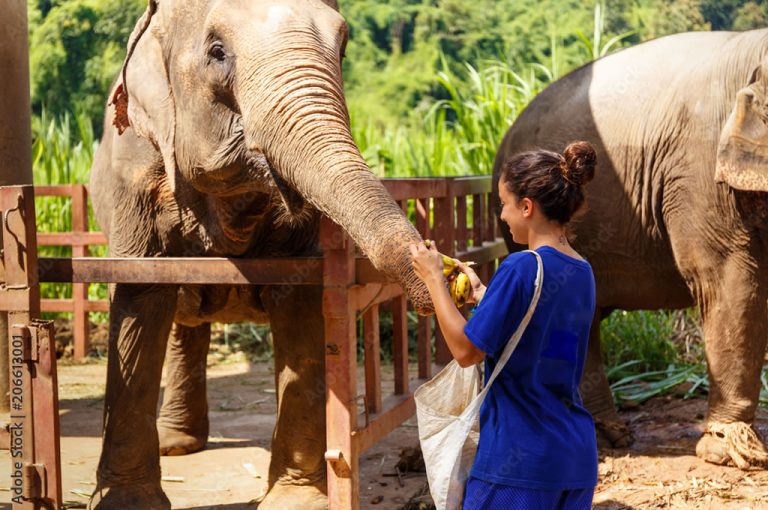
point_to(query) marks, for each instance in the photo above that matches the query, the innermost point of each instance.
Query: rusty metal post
(15, 126)
(340, 367)
(34, 418)
(15, 129)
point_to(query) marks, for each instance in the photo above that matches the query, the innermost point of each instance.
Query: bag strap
(515, 339)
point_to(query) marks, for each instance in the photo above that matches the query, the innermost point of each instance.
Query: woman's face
(514, 213)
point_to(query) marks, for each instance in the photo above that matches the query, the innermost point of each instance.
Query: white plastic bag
(448, 411)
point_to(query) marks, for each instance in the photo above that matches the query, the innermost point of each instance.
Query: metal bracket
(19, 204)
(338, 463)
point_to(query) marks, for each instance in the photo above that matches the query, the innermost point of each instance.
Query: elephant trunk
(300, 123)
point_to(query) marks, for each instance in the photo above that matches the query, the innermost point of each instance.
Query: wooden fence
(440, 207)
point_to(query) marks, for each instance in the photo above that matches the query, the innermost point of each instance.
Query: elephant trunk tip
(415, 289)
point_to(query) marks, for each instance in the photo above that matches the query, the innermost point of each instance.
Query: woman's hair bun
(579, 163)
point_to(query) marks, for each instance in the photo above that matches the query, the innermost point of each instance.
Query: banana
(460, 289)
(458, 282)
(449, 266)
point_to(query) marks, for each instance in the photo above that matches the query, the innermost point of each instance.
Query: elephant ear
(142, 98)
(742, 154)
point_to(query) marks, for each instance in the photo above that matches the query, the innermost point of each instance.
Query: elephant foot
(294, 497)
(149, 496)
(176, 442)
(613, 433)
(736, 443)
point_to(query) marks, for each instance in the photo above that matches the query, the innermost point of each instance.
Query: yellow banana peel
(460, 289)
(458, 282)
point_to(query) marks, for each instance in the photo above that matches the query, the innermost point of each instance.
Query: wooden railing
(439, 205)
(352, 289)
(79, 239)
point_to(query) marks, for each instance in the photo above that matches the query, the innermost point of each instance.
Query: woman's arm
(428, 265)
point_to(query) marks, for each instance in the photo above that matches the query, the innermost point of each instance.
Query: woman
(537, 445)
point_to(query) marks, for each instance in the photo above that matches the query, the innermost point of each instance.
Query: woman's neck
(548, 235)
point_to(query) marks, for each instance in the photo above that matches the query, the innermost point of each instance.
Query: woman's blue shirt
(534, 430)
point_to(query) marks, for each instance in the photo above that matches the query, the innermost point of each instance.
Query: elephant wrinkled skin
(678, 210)
(227, 135)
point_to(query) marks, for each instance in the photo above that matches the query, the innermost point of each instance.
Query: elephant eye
(216, 51)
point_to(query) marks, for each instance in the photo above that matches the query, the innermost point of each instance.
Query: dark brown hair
(554, 181)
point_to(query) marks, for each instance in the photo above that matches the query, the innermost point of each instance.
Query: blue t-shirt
(534, 430)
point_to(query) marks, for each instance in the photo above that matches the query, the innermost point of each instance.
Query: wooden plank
(365, 273)
(403, 206)
(489, 251)
(396, 409)
(461, 223)
(478, 216)
(68, 305)
(363, 296)
(340, 368)
(71, 238)
(445, 233)
(400, 344)
(471, 185)
(491, 230)
(424, 347)
(80, 330)
(293, 271)
(423, 210)
(416, 187)
(372, 348)
(60, 190)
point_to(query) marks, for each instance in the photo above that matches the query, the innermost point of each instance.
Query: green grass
(62, 150)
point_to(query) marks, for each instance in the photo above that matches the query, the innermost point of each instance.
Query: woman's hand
(427, 263)
(478, 289)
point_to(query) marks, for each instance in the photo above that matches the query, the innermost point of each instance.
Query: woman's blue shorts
(481, 495)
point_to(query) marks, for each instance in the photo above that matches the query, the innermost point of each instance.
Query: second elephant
(678, 210)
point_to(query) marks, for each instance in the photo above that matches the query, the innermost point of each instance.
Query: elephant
(227, 135)
(678, 210)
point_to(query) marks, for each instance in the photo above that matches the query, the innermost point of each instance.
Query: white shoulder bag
(448, 411)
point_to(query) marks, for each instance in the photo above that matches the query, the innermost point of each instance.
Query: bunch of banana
(459, 285)
(460, 289)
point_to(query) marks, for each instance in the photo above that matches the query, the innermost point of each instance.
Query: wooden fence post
(81, 330)
(340, 367)
(445, 237)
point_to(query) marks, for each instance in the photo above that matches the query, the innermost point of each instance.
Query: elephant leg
(735, 330)
(297, 475)
(183, 423)
(128, 475)
(611, 430)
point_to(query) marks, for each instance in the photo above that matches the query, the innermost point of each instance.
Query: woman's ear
(527, 207)
(142, 98)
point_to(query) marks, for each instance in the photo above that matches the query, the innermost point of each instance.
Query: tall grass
(458, 135)
(62, 150)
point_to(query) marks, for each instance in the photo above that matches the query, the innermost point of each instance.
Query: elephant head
(742, 154)
(241, 96)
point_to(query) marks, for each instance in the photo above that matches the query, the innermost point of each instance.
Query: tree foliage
(396, 46)
(76, 49)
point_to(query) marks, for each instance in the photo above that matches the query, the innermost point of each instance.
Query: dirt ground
(659, 471)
